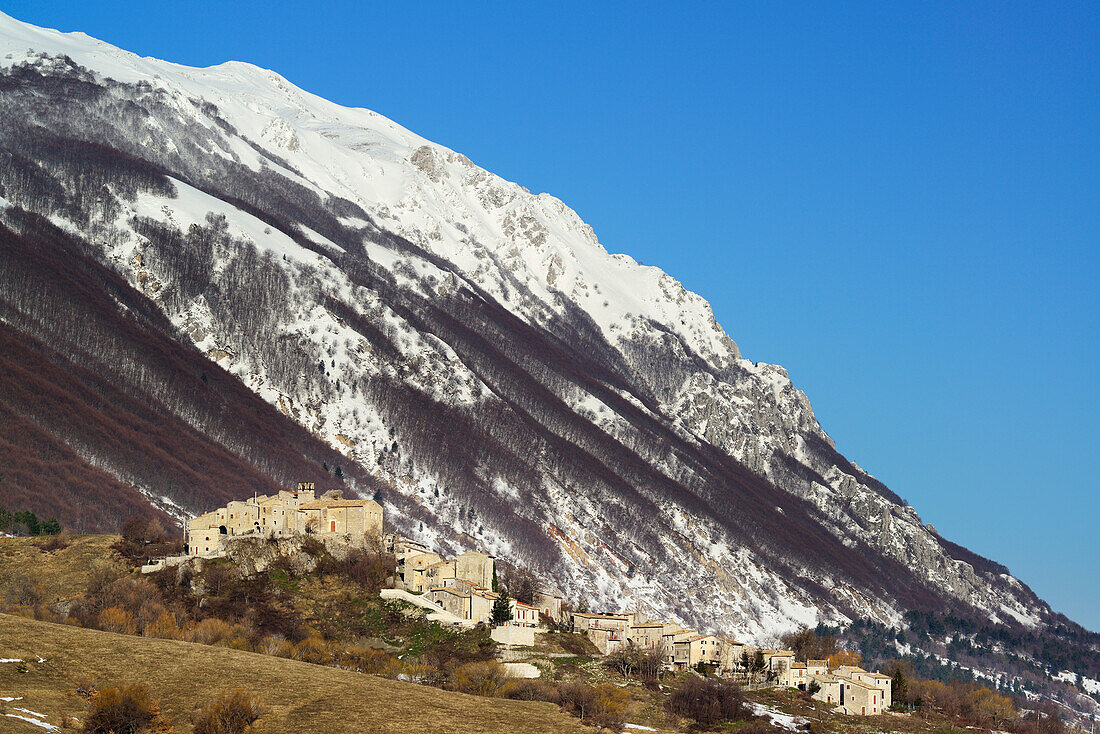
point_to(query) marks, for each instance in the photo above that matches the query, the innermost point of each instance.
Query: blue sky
(898, 202)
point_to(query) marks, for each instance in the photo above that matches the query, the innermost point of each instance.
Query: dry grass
(297, 696)
(64, 573)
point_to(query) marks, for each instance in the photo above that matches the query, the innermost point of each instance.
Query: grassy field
(298, 697)
(62, 574)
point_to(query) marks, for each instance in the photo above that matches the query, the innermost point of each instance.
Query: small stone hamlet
(459, 592)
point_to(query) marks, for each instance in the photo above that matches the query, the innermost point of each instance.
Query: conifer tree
(502, 609)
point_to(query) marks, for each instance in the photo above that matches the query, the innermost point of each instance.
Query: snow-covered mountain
(436, 334)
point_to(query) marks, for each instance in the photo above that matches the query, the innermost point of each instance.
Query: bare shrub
(117, 619)
(28, 591)
(312, 650)
(707, 701)
(276, 645)
(232, 712)
(427, 675)
(54, 543)
(103, 573)
(238, 642)
(210, 631)
(369, 660)
(530, 689)
(86, 688)
(164, 626)
(127, 709)
(612, 706)
(760, 726)
(369, 570)
(480, 678)
(578, 698)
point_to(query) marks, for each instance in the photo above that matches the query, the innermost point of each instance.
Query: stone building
(414, 570)
(696, 650)
(778, 665)
(852, 689)
(646, 635)
(858, 698)
(283, 515)
(879, 681)
(549, 603)
(420, 570)
(523, 615)
(582, 622)
(477, 567)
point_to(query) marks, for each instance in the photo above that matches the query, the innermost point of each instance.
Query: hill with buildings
(214, 284)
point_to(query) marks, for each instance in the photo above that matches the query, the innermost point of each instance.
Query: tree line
(25, 522)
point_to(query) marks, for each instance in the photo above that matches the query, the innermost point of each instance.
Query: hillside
(297, 696)
(213, 283)
(60, 575)
(326, 615)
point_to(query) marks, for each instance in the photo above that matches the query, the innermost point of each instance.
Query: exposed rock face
(467, 343)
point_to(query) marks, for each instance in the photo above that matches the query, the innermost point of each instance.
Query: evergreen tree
(29, 520)
(50, 527)
(502, 610)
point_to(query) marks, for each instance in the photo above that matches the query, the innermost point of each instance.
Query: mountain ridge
(470, 349)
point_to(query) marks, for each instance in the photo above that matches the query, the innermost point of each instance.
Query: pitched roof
(855, 682)
(322, 504)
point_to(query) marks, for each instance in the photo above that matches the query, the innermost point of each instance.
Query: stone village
(459, 592)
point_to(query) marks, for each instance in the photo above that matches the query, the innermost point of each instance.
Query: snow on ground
(777, 717)
(1090, 685)
(530, 252)
(639, 727)
(32, 717)
(11, 660)
(191, 206)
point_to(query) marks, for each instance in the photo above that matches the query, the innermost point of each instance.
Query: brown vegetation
(78, 370)
(707, 701)
(125, 709)
(631, 661)
(297, 697)
(232, 712)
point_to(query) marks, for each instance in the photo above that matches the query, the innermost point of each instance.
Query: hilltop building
(285, 515)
